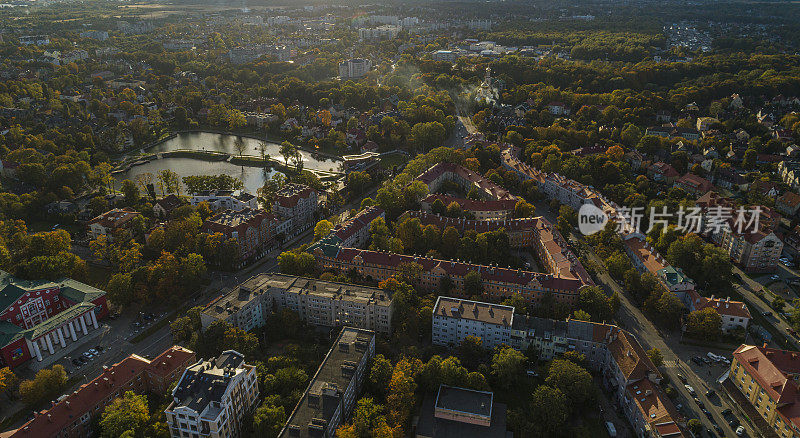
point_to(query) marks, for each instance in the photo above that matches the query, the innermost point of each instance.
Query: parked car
(775, 277)
(698, 361)
(740, 431)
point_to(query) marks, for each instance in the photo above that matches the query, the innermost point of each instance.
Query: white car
(689, 388)
(775, 277)
(740, 431)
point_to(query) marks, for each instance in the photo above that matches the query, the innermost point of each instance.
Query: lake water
(210, 141)
(252, 177)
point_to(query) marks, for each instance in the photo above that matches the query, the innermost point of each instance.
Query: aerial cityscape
(458, 219)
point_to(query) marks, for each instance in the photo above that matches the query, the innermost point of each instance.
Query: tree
(8, 380)
(46, 383)
(524, 209)
(473, 283)
(130, 191)
(655, 356)
(402, 387)
(597, 304)
(573, 381)
(269, 418)
(380, 375)
(289, 152)
(368, 422)
(322, 229)
(548, 410)
(126, 415)
(508, 366)
(704, 324)
(239, 145)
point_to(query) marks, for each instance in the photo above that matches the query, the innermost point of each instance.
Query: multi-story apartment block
(355, 231)
(71, 416)
(488, 210)
(253, 230)
(317, 302)
(768, 379)
(615, 353)
(733, 313)
(212, 398)
(333, 391)
(537, 233)
(754, 252)
(439, 173)
(354, 68)
(297, 202)
(226, 200)
(498, 283)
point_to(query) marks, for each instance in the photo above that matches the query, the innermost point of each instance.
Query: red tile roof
(475, 178)
(472, 205)
(725, 306)
(115, 218)
(773, 369)
(63, 414)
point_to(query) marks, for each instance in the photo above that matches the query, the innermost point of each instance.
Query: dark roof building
(461, 413)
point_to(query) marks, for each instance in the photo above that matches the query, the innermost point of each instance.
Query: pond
(210, 141)
(252, 177)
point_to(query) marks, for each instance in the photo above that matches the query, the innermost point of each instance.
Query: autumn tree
(125, 416)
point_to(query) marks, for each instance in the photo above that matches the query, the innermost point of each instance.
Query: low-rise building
(226, 200)
(788, 203)
(768, 379)
(163, 207)
(693, 184)
(317, 302)
(355, 231)
(461, 412)
(111, 222)
(212, 398)
(489, 210)
(71, 416)
(333, 391)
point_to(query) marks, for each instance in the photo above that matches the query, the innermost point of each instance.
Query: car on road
(733, 423)
(689, 388)
(93, 352)
(710, 392)
(791, 331)
(740, 431)
(77, 363)
(699, 403)
(775, 277)
(726, 411)
(708, 414)
(719, 430)
(767, 314)
(682, 378)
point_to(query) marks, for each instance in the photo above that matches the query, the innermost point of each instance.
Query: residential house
(788, 203)
(163, 207)
(693, 184)
(662, 172)
(112, 222)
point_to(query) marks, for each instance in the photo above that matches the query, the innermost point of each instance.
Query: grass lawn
(389, 161)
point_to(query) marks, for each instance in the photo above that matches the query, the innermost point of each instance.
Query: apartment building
(753, 252)
(625, 368)
(297, 202)
(354, 68)
(253, 230)
(536, 233)
(355, 231)
(645, 258)
(235, 200)
(330, 397)
(733, 313)
(498, 283)
(486, 210)
(71, 416)
(317, 302)
(768, 379)
(439, 173)
(212, 397)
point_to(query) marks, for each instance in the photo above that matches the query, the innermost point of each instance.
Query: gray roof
(324, 394)
(207, 380)
(431, 427)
